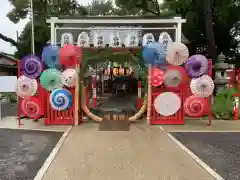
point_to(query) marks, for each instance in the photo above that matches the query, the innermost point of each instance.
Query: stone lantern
(221, 73)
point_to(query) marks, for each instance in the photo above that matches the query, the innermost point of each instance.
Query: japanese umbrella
(202, 86)
(154, 54)
(196, 66)
(174, 76)
(158, 76)
(177, 53)
(68, 77)
(61, 99)
(32, 107)
(70, 55)
(50, 56)
(26, 87)
(167, 103)
(195, 106)
(50, 79)
(31, 66)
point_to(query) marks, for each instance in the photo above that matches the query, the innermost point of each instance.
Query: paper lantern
(50, 56)
(148, 39)
(196, 66)
(32, 107)
(83, 39)
(195, 106)
(31, 66)
(68, 77)
(132, 40)
(50, 79)
(26, 87)
(167, 104)
(177, 54)
(61, 99)
(202, 86)
(158, 77)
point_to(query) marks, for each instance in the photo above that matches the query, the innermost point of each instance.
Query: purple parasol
(196, 66)
(31, 66)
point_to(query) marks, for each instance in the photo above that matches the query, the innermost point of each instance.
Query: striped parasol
(167, 103)
(31, 66)
(196, 66)
(50, 79)
(32, 107)
(158, 77)
(26, 87)
(50, 56)
(177, 54)
(202, 87)
(70, 55)
(61, 99)
(68, 77)
(195, 106)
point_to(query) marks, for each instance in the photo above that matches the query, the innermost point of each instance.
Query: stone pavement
(143, 153)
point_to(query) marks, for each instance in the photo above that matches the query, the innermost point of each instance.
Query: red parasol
(32, 107)
(157, 77)
(195, 106)
(70, 55)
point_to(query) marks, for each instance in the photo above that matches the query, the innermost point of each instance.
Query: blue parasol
(61, 99)
(50, 56)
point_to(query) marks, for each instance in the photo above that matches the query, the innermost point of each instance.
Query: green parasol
(50, 79)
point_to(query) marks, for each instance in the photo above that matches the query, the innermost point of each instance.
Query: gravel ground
(220, 150)
(23, 152)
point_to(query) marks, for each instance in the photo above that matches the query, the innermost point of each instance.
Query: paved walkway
(143, 153)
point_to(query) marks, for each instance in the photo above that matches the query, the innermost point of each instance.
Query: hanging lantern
(115, 71)
(121, 71)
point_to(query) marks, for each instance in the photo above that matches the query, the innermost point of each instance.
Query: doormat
(114, 125)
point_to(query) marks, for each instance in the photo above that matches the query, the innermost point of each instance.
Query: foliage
(222, 107)
(9, 96)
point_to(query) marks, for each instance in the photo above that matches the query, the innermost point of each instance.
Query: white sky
(10, 29)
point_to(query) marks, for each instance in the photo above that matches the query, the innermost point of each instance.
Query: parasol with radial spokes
(167, 103)
(32, 107)
(68, 77)
(26, 86)
(195, 106)
(174, 76)
(70, 55)
(31, 66)
(50, 79)
(50, 56)
(61, 99)
(196, 66)
(158, 76)
(177, 53)
(202, 86)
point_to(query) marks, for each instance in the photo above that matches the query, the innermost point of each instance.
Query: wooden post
(76, 117)
(149, 95)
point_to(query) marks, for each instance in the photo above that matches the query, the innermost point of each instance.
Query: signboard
(8, 83)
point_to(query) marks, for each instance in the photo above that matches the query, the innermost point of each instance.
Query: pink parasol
(195, 106)
(157, 77)
(26, 87)
(68, 77)
(32, 107)
(177, 53)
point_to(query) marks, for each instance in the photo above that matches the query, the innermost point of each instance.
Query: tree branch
(7, 39)
(140, 6)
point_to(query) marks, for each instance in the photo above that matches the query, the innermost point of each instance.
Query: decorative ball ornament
(195, 106)
(167, 104)
(26, 87)
(158, 77)
(177, 54)
(173, 78)
(68, 77)
(196, 66)
(50, 79)
(202, 87)
(50, 56)
(31, 66)
(32, 107)
(61, 99)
